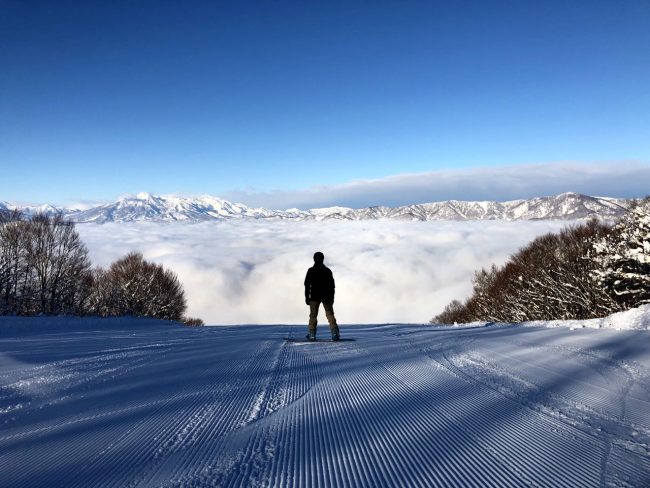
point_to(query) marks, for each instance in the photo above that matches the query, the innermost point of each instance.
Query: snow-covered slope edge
(633, 319)
(24, 326)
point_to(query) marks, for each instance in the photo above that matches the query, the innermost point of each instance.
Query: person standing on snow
(319, 288)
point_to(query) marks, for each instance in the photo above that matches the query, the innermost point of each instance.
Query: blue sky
(256, 99)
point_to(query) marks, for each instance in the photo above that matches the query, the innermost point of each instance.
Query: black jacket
(319, 284)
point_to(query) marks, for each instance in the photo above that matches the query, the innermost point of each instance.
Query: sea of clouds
(243, 272)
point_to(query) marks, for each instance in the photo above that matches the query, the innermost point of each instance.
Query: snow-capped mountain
(31, 209)
(145, 206)
(148, 207)
(566, 206)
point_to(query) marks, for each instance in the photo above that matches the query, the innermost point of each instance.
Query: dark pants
(329, 313)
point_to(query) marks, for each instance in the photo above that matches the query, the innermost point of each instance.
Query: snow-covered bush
(549, 279)
(455, 312)
(623, 258)
(134, 286)
(102, 297)
(193, 322)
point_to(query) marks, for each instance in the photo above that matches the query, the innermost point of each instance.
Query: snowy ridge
(129, 404)
(34, 209)
(147, 207)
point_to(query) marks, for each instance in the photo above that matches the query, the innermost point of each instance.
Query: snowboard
(304, 340)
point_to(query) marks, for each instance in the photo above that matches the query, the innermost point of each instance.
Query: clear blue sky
(99, 99)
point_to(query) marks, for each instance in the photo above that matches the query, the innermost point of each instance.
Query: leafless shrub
(134, 286)
(101, 296)
(192, 322)
(455, 312)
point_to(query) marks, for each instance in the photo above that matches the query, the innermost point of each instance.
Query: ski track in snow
(415, 406)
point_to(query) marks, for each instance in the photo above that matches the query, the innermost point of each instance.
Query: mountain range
(148, 207)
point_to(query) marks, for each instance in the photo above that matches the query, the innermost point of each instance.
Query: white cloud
(614, 179)
(82, 204)
(238, 272)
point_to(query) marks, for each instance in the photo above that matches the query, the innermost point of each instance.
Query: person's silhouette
(319, 288)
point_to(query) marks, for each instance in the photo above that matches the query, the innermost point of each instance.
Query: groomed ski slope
(129, 403)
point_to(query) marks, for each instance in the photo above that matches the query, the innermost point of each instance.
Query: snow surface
(102, 402)
(636, 318)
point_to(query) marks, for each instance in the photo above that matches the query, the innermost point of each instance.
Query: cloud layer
(619, 179)
(240, 272)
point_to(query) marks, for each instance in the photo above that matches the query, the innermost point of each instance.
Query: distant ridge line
(148, 207)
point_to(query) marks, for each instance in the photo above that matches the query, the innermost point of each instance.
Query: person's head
(319, 257)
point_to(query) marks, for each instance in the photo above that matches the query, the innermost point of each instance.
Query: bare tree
(61, 264)
(44, 269)
(13, 266)
(44, 266)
